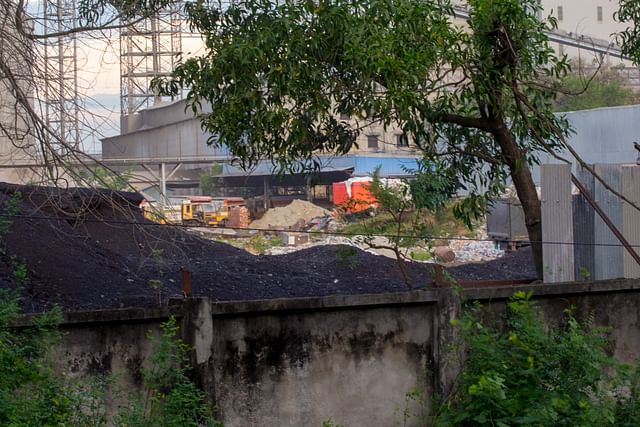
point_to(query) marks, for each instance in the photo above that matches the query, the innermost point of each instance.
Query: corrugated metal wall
(583, 222)
(608, 258)
(602, 135)
(631, 217)
(595, 252)
(557, 223)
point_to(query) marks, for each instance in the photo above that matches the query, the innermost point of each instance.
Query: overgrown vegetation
(34, 393)
(521, 371)
(410, 213)
(11, 208)
(260, 242)
(101, 177)
(170, 399)
(346, 256)
(157, 255)
(606, 89)
(439, 223)
(405, 219)
(31, 393)
(207, 180)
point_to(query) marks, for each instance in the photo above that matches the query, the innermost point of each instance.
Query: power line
(309, 232)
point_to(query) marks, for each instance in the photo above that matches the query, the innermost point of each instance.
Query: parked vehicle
(192, 210)
(505, 223)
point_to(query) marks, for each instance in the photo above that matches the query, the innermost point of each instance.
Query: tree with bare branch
(472, 94)
(43, 121)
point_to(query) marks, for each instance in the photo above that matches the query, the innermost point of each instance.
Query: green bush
(581, 90)
(171, 399)
(521, 372)
(33, 393)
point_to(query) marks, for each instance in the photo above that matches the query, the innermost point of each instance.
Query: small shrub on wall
(521, 372)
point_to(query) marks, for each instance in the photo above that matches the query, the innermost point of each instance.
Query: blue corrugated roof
(362, 165)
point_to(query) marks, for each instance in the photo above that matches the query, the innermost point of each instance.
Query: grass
(421, 255)
(441, 223)
(259, 243)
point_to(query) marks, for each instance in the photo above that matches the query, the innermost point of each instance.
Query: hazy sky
(99, 83)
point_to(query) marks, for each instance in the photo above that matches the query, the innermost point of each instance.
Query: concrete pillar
(197, 332)
(557, 224)
(266, 192)
(448, 352)
(163, 184)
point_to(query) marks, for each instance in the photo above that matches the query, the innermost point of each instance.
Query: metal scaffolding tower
(149, 48)
(61, 74)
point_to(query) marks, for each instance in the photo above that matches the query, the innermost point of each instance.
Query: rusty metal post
(437, 276)
(186, 282)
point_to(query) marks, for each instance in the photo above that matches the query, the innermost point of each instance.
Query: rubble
(238, 217)
(475, 251)
(326, 241)
(293, 216)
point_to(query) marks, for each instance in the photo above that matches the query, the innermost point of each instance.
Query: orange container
(361, 197)
(353, 195)
(340, 195)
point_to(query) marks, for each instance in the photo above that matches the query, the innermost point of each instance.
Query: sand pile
(296, 212)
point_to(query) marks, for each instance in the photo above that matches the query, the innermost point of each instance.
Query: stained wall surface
(298, 362)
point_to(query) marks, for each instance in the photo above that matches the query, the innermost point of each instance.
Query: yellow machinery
(197, 210)
(162, 215)
(212, 212)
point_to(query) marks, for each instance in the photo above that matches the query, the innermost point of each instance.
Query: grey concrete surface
(298, 362)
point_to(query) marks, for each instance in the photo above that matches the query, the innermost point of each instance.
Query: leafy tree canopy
(97, 13)
(279, 73)
(629, 39)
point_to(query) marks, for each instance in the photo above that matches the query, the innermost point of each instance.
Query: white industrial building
(586, 29)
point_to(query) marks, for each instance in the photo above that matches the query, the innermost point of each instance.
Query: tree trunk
(526, 190)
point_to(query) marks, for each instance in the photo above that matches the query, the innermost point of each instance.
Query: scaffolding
(61, 75)
(148, 49)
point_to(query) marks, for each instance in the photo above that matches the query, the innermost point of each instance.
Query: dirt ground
(82, 252)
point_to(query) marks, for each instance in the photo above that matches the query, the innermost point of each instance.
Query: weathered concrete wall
(612, 303)
(298, 369)
(110, 342)
(298, 362)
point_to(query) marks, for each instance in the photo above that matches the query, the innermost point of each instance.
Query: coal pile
(86, 249)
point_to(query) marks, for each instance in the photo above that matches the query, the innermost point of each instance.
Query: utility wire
(310, 232)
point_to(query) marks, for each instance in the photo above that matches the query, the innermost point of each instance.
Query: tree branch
(467, 122)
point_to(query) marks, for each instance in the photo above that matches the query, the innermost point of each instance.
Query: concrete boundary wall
(298, 362)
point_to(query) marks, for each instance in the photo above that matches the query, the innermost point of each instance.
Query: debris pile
(326, 241)
(293, 216)
(238, 217)
(475, 251)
